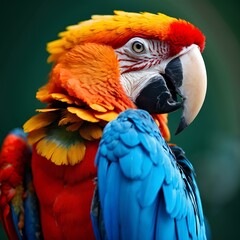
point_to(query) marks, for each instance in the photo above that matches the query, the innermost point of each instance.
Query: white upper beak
(194, 85)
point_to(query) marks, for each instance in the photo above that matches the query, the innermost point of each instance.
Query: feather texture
(115, 30)
(148, 190)
(18, 201)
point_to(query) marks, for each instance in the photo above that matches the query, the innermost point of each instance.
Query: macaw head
(128, 60)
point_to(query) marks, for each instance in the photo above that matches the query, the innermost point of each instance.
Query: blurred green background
(212, 142)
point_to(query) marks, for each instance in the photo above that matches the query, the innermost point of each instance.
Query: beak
(194, 85)
(184, 76)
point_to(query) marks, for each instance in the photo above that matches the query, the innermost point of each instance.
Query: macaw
(113, 81)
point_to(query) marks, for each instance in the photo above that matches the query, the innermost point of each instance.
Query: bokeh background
(212, 142)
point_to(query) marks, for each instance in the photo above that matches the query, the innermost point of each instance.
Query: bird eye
(138, 47)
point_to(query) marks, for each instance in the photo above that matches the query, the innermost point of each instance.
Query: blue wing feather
(150, 187)
(130, 138)
(181, 229)
(165, 229)
(15, 218)
(129, 210)
(111, 201)
(171, 195)
(131, 164)
(32, 224)
(147, 190)
(102, 176)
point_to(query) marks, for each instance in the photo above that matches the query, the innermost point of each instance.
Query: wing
(144, 192)
(18, 202)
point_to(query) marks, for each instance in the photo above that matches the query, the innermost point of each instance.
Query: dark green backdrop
(211, 142)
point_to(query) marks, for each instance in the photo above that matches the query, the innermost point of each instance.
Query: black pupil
(138, 46)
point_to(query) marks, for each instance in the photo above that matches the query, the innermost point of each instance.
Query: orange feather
(90, 72)
(116, 30)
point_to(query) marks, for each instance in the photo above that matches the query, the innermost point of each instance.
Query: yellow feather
(57, 50)
(108, 116)
(46, 148)
(55, 43)
(59, 46)
(84, 132)
(96, 133)
(39, 121)
(86, 115)
(47, 109)
(91, 131)
(36, 135)
(62, 97)
(104, 28)
(69, 118)
(98, 108)
(76, 153)
(59, 156)
(43, 93)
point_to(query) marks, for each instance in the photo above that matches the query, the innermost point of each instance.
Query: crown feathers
(115, 30)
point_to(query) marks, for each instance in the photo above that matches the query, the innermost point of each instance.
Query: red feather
(65, 194)
(182, 34)
(15, 152)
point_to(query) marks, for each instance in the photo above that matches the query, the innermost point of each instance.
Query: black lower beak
(160, 95)
(156, 97)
